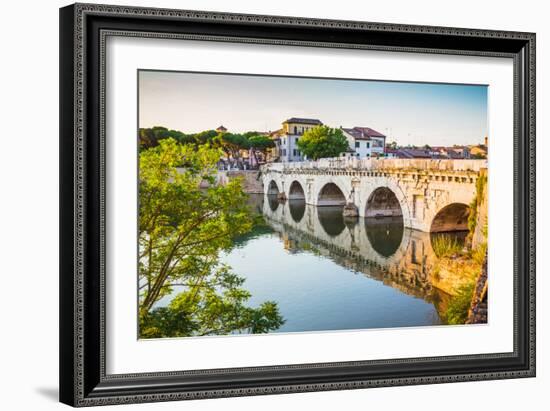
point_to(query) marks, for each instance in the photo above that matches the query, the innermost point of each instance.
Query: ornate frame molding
(82, 334)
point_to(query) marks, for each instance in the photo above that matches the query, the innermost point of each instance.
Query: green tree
(322, 141)
(182, 229)
(204, 137)
(205, 310)
(261, 143)
(232, 144)
(150, 137)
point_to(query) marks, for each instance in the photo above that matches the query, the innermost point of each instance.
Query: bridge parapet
(372, 164)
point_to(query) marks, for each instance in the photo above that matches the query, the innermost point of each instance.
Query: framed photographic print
(261, 204)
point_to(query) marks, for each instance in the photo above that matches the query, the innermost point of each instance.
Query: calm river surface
(327, 273)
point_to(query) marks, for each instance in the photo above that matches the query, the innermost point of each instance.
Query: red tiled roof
(355, 134)
(363, 133)
(369, 132)
(413, 153)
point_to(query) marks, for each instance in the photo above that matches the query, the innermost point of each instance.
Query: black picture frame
(83, 29)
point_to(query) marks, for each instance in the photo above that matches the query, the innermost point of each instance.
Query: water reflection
(297, 209)
(326, 272)
(380, 248)
(385, 234)
(272, 201)
(331, 219)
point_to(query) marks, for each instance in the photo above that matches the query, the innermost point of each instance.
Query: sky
(408, 113)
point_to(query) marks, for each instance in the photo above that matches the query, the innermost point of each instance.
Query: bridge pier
(350, 210)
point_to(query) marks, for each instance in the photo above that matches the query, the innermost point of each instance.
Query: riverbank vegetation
(182, 230)
(457, 273)
(459, 268)
(446, 246)
(481, 183)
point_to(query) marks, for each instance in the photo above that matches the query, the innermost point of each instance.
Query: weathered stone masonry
(431, 195)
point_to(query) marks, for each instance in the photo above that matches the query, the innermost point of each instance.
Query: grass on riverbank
(459, 306)
(445, 246)
(466, 267)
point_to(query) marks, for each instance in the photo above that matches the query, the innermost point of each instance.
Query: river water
(329, 273)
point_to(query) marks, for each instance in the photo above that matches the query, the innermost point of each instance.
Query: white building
(365, 141)
(292, 130)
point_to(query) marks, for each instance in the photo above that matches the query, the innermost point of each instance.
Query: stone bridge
(430, 195)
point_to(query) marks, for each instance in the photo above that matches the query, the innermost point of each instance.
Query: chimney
(486, 141)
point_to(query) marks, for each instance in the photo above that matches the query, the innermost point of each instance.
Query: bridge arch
(331, 195)
(452, 217)
(272, 188)
(383, 202)
(296, 191)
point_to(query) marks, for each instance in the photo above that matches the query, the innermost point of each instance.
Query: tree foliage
(261, 142)
(207, 311)
(182, 229)
(321, 142)
(150, 137)
(232, 144)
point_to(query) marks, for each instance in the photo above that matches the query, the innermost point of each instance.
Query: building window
(296, 141)
(295, 152)
(295, 130)
(368, 144)
(357, 144)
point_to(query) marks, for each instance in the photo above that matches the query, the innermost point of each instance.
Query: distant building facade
(365, 141)
(453, 153)
(286, 140)
(436, 152)
(479, 151)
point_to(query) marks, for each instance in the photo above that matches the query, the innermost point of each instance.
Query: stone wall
(478, 307)
(252, 182)
(381, 164)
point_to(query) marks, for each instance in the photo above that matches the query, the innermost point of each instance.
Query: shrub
(457, 311)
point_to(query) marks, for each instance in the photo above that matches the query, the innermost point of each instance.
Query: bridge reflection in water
(378, 248)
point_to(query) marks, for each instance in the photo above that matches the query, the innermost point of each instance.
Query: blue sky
(409, 113)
